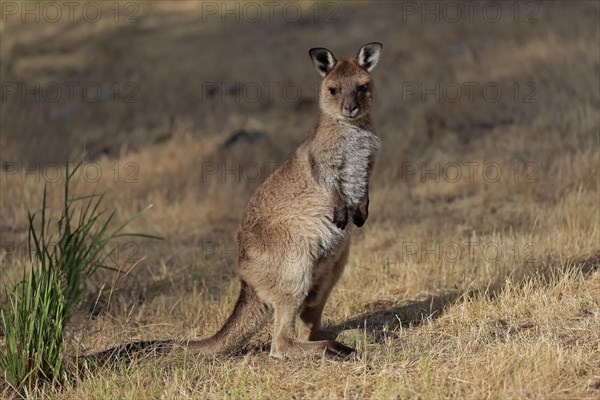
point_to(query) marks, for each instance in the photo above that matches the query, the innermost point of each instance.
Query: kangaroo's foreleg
(361, 213)
(340, 209)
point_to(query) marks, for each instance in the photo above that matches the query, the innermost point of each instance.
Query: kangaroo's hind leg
(287, 345)
(312, 307)
(292, 286)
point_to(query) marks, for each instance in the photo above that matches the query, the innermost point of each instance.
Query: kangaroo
(293, 241)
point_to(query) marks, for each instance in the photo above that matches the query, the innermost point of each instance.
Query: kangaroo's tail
(248, 316)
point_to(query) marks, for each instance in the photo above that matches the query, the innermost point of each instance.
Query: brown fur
(292, 241)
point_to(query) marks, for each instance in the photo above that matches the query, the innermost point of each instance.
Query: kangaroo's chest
(359, 148)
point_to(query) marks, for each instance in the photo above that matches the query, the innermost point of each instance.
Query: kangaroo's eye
(363, 88)
(333, 90)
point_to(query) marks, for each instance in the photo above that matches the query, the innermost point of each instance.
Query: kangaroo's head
(346, 89)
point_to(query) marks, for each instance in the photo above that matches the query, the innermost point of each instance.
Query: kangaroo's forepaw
(359, 218)
(340, 217)
(361, 213)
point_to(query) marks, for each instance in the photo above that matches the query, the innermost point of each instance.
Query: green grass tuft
(39, 307)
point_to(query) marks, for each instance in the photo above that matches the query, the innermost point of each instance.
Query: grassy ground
(476, 275)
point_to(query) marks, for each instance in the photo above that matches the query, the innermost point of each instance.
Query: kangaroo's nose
(351, 110)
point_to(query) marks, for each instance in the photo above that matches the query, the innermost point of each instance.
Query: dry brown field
(476, 275)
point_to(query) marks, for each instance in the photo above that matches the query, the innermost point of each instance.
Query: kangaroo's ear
(323, 59)
(368, 55)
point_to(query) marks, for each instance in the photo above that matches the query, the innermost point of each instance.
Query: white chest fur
(358, 152)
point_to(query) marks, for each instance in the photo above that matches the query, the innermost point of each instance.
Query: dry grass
(467, 288)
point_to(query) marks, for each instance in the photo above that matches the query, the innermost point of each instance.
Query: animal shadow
(382, 318)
